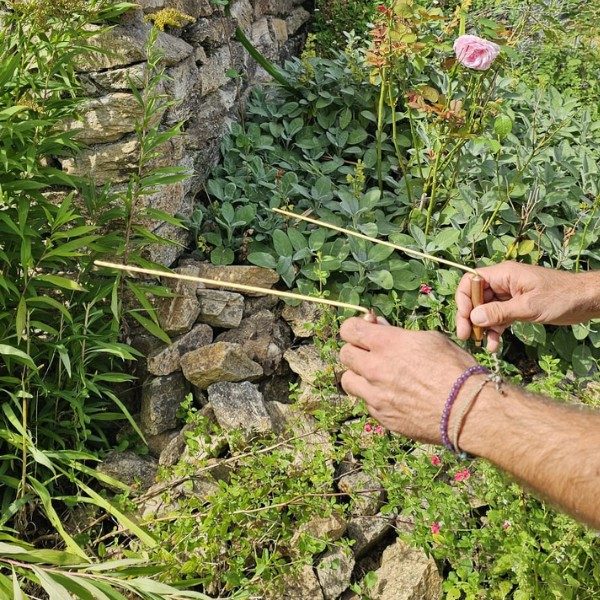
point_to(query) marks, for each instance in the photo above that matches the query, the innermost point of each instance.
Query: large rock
(302, 586)
(366, 492)
(122, 46)
(211, 33)
(247, 275)
(407, 574)
(367, 532)
(161, 399)
(136, 471)
(334, 571)
(263, 337)
(219, 362)
(287, 418)
(220, 309)
(106, 119)
(306, 361)
(239, 406)
(328, 529)
(166, 360)
(302, 318)
(116, 80)
(177, 315)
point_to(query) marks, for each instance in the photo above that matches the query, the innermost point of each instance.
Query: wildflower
(425, 289)
(506, 525)
(368, 428)
(475, 53)
(435, 527)
(436, 461)
(379, 430)
(462, 475)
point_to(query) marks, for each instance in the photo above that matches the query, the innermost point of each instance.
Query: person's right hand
(519, 292)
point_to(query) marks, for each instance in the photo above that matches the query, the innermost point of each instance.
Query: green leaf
(583, 360)
(151, 327)
(17, 354)
(379, 252)
(262, 259)
(61, 282)
(382, 278)
(282, 243)
(222, 256)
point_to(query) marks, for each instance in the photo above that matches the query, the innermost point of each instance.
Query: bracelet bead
(456, 387)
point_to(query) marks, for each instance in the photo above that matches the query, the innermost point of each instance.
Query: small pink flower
(475, 53)
(435, 527)
(379, 430)
(425, 289)
(462, 475)
(506, 525)
(436, 461)
(368, 428)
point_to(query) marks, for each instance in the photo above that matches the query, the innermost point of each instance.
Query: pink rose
(475, 53)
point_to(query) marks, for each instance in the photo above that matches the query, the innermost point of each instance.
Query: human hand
(519, 292)
(403, 376)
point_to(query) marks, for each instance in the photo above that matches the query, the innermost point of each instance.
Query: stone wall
(197, 59)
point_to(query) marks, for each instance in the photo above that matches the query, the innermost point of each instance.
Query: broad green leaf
(17, 354)
(262, 259)
(382, 278)
(282, 243)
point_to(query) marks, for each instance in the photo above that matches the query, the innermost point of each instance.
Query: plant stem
(584, 235)
(434, 187)
(399, 156)
(380, 119)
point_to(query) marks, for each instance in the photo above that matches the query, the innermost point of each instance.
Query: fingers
(359, 332)
(358, 386)
(493, 340)
(495, 314)
(356, 359)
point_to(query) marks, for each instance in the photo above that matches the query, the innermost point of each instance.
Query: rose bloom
(475, 53)
(436, 461)
(435, 528)
(462, 475)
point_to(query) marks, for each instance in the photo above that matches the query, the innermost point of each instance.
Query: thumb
(499, 313)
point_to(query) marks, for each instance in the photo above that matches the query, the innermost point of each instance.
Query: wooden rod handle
(477, 300)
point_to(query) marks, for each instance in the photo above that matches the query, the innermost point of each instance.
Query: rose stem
(375, 240)
(234, 286)
(477, 300)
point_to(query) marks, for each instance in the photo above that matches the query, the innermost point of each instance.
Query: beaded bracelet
(474, 370)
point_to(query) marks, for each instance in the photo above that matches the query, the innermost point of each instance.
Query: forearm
(588, 289)
(549, 447)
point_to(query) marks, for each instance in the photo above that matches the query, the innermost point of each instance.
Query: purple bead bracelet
(450, 402)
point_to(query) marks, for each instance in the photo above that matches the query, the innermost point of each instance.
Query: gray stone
(218, 362)
(256, 304)
(106, 119)
(407, 573)
(329, 529)
(248, 275)
(116, 80)
(263, 337)
(302, 586)
(166, 360)
(213, 71)
(367, 532)
(212, 32)
(166, 254)
(158, 443)
(159, 503)
(177, 315)
(302, 318)
(129, 468)
(184, 88)
(161, 399)
(123, 46)
(334, 571)
(219, 308)
(366, 492)
(296, 20)
(289, 419)
(239, 406)
(306, 362)
(279, 30)
(275, 7)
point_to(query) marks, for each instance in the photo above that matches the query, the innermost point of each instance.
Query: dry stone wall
(197, 59)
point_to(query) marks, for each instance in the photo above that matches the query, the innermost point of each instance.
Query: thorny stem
(380, 119)
(434, 188)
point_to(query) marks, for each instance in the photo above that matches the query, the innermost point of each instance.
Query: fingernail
(478, 316)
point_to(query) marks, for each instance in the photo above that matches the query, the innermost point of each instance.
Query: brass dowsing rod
(477, 282)
(234, 286)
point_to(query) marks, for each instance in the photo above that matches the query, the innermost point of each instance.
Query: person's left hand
(403, 376)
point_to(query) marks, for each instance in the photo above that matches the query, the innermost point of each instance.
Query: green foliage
(335, 17)
(519, 182)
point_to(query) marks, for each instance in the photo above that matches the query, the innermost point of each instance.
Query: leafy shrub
(517, 181)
